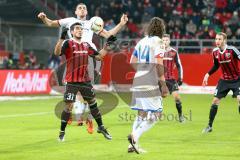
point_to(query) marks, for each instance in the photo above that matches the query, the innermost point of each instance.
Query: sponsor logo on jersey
(85, 44)
(227, 61)
(228, 55)
(80, 52)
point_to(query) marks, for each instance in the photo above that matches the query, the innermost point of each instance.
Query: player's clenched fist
(124, 19)
(41, 15)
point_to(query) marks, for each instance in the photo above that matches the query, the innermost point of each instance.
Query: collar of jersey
(223, 50)
(169, 49)
(76, 41)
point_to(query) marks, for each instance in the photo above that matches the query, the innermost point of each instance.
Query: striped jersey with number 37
(148, 49)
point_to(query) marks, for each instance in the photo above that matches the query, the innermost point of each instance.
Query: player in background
(77, 78)
(147, 59)
(226, 57)
(171, 58)
(81, 13)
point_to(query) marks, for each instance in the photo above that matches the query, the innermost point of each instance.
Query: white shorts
(153, 104)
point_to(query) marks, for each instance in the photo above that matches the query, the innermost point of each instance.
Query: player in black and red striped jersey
(227, 58)
(170, 60)
(77, 78)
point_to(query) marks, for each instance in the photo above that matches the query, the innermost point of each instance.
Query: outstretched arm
(116, 29)
(48, 22)
(102, 53)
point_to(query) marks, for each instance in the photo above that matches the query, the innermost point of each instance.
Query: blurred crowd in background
(184, 18)
(28, 60)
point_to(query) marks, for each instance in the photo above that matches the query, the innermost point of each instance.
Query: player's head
(81, 11)
(76, 30)
(156, 27)
(166, 40)
(221, 39)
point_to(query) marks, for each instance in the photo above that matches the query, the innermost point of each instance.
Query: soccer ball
(97, 24)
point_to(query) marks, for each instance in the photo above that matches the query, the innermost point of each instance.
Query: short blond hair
(223, 34)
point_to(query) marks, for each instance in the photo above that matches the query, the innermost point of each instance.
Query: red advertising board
(22, 82)
(116, 68)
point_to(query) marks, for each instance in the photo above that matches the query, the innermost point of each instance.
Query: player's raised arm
(59, 47)
(116, 29)
(47, 21)
(102, 53)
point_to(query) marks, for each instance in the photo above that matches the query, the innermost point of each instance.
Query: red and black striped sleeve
(92, 52)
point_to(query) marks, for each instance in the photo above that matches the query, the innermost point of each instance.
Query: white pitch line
(41, 113)
(22, 98)
(25, 115)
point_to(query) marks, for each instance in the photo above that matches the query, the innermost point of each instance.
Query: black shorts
(172, 85)
(224, 86)
(85, 88)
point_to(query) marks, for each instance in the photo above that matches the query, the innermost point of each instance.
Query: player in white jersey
(147, 59)
(81, 13)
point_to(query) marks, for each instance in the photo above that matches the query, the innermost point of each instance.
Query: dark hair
(156, 27)
(81, 4)
(75, 24)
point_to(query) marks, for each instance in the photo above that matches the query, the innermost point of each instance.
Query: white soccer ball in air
(97, 24)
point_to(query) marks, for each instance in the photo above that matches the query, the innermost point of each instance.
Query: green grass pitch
(29, 131)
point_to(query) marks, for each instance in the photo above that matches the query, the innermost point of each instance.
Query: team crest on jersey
(85, 44)
(228, 55)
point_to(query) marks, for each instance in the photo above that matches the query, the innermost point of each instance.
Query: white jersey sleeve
(67, 22)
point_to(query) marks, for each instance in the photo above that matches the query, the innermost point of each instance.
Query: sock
(239, 109)
(137, 122)
(179, 107)
(64, 119)
(79, 108)
(212, 114)
(143, 127)
(90, 117)
(96, 114)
